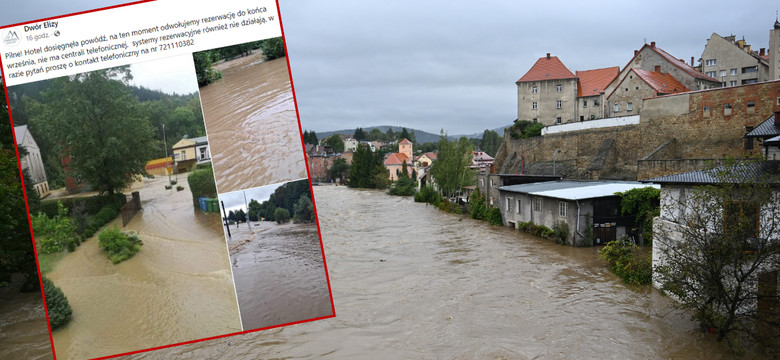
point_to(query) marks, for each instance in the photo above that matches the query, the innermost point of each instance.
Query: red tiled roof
(405, 141)
(547, 69)
(396, 159)
(593, 82)
(660, 82)
(679, 63)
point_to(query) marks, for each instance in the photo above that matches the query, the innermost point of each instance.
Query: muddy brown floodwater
(177, 288)
(251, 124)
(412, 282)
(24, 333)
(279, 274)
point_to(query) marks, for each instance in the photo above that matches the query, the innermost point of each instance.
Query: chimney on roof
(636, 52)
(652, 44)
(747, 48)
(548, 56)
(762, 51)
(658, 68)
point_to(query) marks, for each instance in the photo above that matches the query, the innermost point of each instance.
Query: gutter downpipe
(578, 221)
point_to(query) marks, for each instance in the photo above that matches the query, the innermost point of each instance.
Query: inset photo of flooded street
(250, 115)
(276, 255)
(119, 163)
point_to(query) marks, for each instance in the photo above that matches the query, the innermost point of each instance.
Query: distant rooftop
(748, 172)
(768, 128)
(547, 68)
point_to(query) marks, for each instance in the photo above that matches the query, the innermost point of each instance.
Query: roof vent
(652, 44)
(548, 56)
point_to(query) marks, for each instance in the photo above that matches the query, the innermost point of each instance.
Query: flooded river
(24, 333)
(251, 124)
(412, 282)
(177, 288)
(279, 274)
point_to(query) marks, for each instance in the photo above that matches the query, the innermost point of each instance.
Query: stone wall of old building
(695, 125)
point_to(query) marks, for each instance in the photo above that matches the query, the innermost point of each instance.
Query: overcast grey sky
(452, 65)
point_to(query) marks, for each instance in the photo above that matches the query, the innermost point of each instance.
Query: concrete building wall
(628, 96)
(725, 60)
(774, 52)
(590, 108)
(549, 214)
(546, 98)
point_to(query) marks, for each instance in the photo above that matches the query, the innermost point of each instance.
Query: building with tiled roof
(629, 95)
(733, 62)
(651, 58)
(590, 92)
(547, 93)
(32, 163)
(394, 162)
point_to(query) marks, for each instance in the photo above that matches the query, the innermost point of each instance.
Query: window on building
(517, 206)
(491, 183)
(617, 107)
(727, 109)
(558, 88)
(535, 120)
(741, 219)
(538, 203)
(750, 69)
(533, 105)
(585, 103)
(705, 110)
(733, 71)
(508, 205)
(534, 90)
(723, 73)
(712, 73)
(723, 84)
(582, 117)
(748, 141)
(202, 153)
(183, 155)
(733, 83)
(630, 106)
(482, 182)
(563, 208)
(749, 81)
(558, 120)
(558, 104)
(751, 107)
(595, 103)
(710, 62)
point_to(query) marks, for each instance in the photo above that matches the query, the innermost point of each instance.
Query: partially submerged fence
(130, 208)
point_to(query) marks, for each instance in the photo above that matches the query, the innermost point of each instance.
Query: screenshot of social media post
(168, 191)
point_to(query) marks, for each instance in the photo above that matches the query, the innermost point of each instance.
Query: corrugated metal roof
(746, 173)
(766, 129)
(575, 190)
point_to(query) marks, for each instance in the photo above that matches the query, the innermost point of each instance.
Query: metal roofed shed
(576, 190)
(574, 203)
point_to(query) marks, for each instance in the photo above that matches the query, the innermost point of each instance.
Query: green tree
(405, 186)
(719, 253)
(451, 169)
(490, 142)
(359, 134)
(57, 304)
(253, 209)
(303, 210)
(645, 203)
(281, 215)
(363, 165)
(94, 118)
(201, 182)
(339, 170)
(523, 129)
(203, 66)
(310, 137)
(272, 48)
(335, 142)
(477, 205)
(376, 135)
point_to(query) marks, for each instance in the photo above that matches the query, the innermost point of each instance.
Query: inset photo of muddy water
(276, 255)
(120, 162)
(250, 115)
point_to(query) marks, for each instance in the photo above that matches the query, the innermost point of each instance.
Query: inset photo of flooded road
(250, 115)
(276, 255)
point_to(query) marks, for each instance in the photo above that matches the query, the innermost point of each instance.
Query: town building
(547, 93)
(31, 162)
(590, 92)
(628, 96)
(481, 161)
(189, 152)
(733, 62)
(394, 162)
(574, 203)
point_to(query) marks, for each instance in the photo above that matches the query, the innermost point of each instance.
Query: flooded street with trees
(410, 281)
(177, 288)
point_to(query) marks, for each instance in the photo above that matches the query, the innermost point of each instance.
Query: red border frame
(308, 175)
